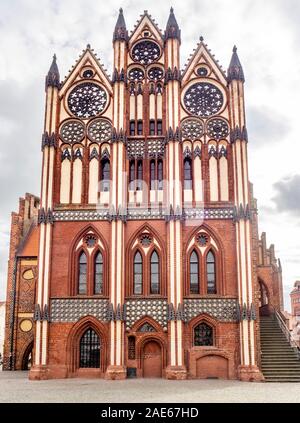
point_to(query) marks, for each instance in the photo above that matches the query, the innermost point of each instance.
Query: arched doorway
(264, 307)
(152, 360)
(27, 357)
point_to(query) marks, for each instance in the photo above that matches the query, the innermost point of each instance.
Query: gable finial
(172, 28)
(201, 38)
(235, 70)
(53, 77)
(120, 32)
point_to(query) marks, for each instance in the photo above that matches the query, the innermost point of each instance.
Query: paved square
(15, 387)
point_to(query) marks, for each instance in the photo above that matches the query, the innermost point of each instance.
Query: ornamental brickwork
(142, 257)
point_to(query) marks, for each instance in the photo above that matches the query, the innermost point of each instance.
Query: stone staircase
(280, 362)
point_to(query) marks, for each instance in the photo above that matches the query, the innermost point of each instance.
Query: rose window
(192, 129)
(87, 100)
(146, 52)
(217, 128)
(72, 131)
(203, 99)
(100, 130)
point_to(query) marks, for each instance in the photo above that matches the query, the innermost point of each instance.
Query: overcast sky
(267, 34)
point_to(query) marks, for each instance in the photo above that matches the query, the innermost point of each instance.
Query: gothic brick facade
(144, 259)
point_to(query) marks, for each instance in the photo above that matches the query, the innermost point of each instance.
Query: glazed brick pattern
(73, 309)
(222, 309)
(157, 309)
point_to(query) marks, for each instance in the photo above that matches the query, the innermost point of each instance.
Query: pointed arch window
(154, 274)
(140, 127)
(211, 273)
(160, 173)
(132, 127)
(203, 335)
(105, 174)
(152, 127)
(98, 275)
(194, 273)
(131, 174)
(90, 350)
(138, 273)
(187, 164)
(152, 175)
(139, 175)
(82, 277)
(159, 127)
(156, 174)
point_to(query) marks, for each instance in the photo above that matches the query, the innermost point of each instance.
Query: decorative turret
(172, 28)
(235, 70)
(53, 78)
(120, 32)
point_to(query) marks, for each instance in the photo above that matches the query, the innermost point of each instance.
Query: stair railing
(285, 330)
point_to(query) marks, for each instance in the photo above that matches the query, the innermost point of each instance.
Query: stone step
(278, 352)
(275, 345)
(276, 362)
(282, 374)
(279, 370)
(280, 349)
(279, 362)
(283, 380)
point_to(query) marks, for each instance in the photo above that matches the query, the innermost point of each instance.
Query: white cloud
(266, 33)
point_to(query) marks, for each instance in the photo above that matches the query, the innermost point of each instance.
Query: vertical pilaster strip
(172, 46)
(242, 202)
(118, 195)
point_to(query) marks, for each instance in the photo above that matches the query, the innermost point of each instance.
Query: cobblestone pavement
(15, 387)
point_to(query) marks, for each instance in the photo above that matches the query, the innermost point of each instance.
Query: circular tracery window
(145, 52)
(192, 129)
(203, 99)
(146, 239)
(217, 128)
(155, 74)
(136, 74)
(87, 100)
(100, 130)
(72, 131)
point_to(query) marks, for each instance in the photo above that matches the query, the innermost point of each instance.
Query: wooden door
(152, 360)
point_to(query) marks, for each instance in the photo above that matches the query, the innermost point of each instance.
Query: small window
(132, 128)
(152, 175)
(82, 282)
(131, 175)
(131, 348)
(140, 127)
(98, 283)
(159, 127)
(160, 174)
(154, 276)
(194, 273)
(187, 173)
(139, 182)
(105, 174)
(152, 127)
(203, 335)
(138, 273)
(211, 273)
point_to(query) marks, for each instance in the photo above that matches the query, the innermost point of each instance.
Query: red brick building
(142, 257)
(295, 312)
